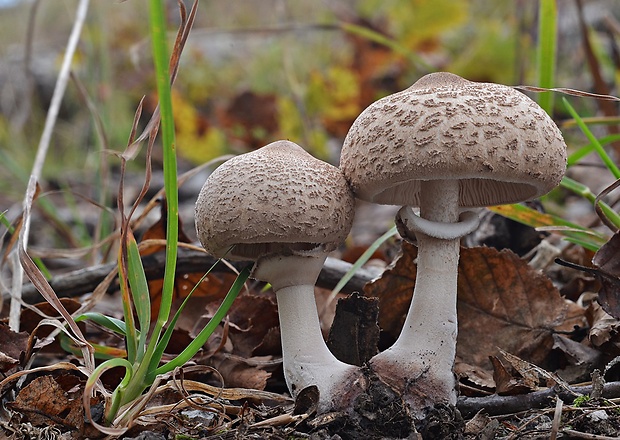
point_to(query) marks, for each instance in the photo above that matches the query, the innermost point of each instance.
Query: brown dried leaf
(252, 318)
(49, 401)
(607, 258)
(13, 345)
(394, 290)
(604, 329)
(239, 373)
(481, 378)
(502, 302)
(508, 381)
(32, 316)
(505, 303)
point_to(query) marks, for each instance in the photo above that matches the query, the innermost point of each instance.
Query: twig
(46, 136)
(586, 436)
(497, 405)
(83, 281)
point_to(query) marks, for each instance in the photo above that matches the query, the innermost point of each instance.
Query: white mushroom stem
(306, 359)
(421, 360)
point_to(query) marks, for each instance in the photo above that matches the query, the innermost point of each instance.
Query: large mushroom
(445, 144)
(286, 210)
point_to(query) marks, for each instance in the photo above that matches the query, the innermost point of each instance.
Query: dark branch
(497, 405)
(85, 280)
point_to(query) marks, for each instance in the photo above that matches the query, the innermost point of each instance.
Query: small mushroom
(442, 145)
(286, 210)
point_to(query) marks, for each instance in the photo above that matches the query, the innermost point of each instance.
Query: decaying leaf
(608, 261)
(13, 346)
(502, 302)
(481, 378)
(526, 376)
(251, 320)
(604, 329)
(55, 401)
(246, 349)
(31, 317)
(579, 359)
(394, 290)
(508, 381)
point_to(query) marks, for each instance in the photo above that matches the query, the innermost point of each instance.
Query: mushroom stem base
(420, 363)
(306, 359)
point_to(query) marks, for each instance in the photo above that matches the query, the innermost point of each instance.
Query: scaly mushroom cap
(277, 199)
(499, 143)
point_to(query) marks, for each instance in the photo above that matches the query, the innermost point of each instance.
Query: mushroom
(286, 210)
(445, 144)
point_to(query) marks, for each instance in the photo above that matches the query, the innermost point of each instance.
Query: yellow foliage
(194, 142)
(293, 128)
(335, 95)
(289, 120)
(415, 22)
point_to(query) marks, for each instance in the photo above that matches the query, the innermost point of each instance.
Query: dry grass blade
(557, 417)
(132, 145)
(42, 285)
(76, 252)
(568, 91)
(227, 393)
(8, 382)
(155, 200)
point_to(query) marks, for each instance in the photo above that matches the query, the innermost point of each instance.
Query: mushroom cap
(500, 145)
(274, 200)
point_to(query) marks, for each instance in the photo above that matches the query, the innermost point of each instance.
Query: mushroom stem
(306, 359)
(421, 361)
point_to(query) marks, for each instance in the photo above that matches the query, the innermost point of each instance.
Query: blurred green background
(255, 71)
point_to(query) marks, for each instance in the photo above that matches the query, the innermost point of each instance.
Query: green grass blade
(586, 193)
(588, 238)
(131, 334)
(116, 325)
(161, 59)
(546, 52)
(609, 163)
(582, 152)
(360, 262)
(165, 339)
(206, 332)
(101, 352)
(139, 292)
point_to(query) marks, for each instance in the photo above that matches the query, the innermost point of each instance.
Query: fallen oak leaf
(604, 330)
(502, 302)
(533, 376)
(13, 347)
(509, 382)
(607, 271)
(607, 258)
(55, 401)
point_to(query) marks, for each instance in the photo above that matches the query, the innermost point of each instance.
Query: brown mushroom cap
(500, 145)
(277, 199)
